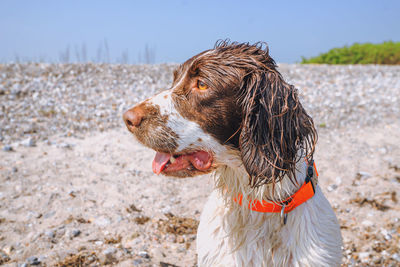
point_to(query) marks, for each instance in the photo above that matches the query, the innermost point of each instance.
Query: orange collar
(305, 192)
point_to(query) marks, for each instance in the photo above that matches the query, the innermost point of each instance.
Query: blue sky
(176, 30)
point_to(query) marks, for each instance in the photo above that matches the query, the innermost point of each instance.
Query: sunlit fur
(233, 235)
(254, 125)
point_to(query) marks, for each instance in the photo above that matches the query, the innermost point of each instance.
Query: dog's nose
(133, 117)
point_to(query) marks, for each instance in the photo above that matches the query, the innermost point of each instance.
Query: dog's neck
(311, 236)
(238, 221)
(233, 181)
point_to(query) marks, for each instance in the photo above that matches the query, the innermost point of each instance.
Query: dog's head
(230, 100)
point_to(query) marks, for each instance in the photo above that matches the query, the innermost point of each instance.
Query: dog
(229, 112)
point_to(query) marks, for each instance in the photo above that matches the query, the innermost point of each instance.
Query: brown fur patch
(153, 130)
(249, 106)
(213, 109)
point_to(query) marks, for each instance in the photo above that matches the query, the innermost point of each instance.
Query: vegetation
(384, 53)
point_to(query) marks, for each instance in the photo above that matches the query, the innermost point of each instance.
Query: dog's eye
(201, 85)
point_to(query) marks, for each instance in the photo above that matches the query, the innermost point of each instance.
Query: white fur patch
(163, 100)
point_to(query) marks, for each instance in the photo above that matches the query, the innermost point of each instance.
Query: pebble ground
(75, 188)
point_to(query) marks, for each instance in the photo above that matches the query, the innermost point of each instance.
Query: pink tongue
(160, 161)
(201, 160)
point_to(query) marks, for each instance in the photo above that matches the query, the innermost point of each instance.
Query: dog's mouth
(169, 163)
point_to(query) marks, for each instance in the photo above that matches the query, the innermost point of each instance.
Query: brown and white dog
(230, 112)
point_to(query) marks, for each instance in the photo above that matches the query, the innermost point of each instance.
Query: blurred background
(171, 31)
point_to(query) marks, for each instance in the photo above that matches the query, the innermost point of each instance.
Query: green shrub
(385, 53)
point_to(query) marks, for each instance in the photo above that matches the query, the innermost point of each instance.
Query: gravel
(7, 148)
(50, 234)
(3, 257)
(33, 260)
(353, 95)
(144, 254)
(75, 233)
(41, 100)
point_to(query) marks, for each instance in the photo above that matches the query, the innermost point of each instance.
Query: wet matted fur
(230, 112)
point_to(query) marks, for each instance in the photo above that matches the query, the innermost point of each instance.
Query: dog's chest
(225, 239)
(229, 237)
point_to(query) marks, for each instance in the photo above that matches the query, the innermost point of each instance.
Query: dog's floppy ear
(275, 127)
